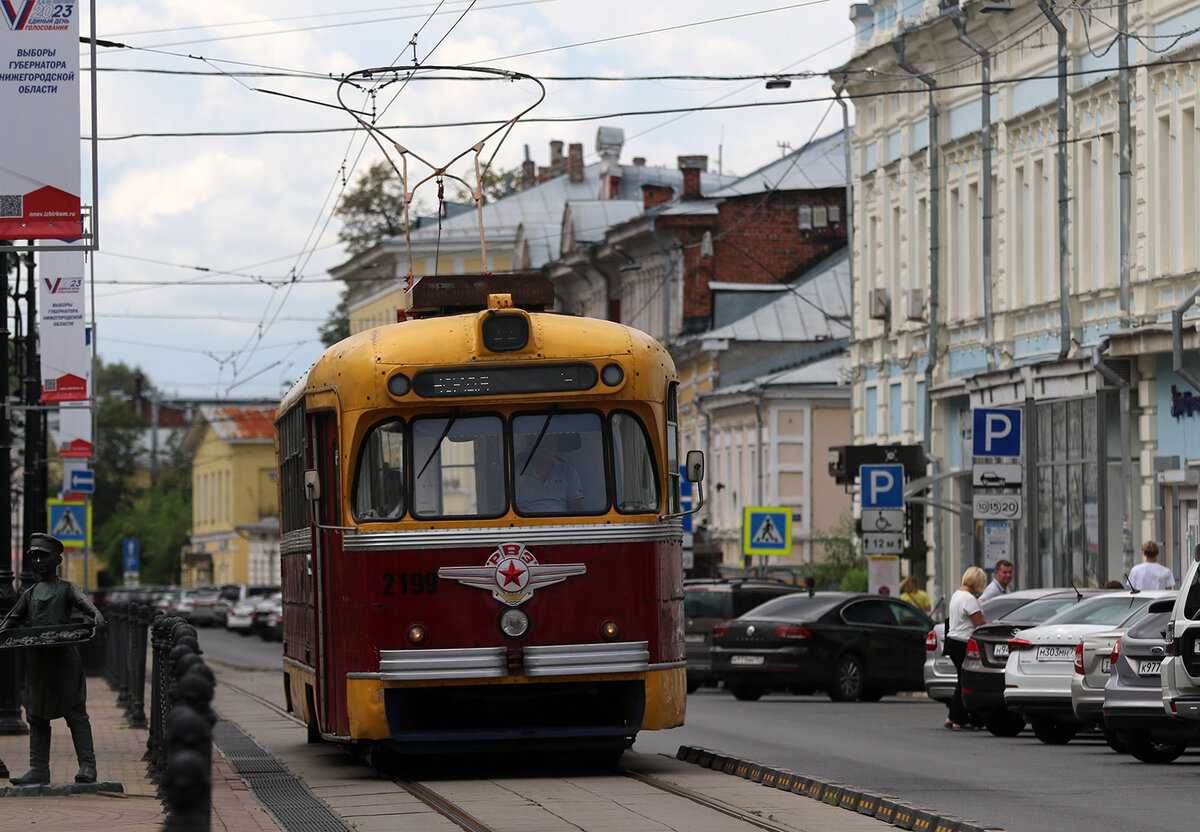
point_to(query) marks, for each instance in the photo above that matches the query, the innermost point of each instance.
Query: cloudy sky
(223, 150)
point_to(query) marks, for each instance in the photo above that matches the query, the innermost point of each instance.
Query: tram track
(464, 819)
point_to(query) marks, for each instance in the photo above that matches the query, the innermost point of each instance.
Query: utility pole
(10, 684)
(35, 418)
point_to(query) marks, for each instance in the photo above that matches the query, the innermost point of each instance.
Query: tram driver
(546, 484)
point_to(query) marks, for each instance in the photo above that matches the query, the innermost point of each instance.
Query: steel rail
(710, 803)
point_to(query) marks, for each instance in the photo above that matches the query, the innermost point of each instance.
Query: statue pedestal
(62, 789)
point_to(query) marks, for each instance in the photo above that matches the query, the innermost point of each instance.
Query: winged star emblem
(512, 574)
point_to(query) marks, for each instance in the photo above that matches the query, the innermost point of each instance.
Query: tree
(372, 210)
(337, 324)
(843, 566)
(125, 504)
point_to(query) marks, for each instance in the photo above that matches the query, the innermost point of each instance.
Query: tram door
(329, 547)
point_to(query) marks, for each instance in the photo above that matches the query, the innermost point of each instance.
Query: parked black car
(708, 602)
(987, 654)
(852, 645)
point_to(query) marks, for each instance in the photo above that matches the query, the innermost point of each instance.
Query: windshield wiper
(437, 446)
(536, 442)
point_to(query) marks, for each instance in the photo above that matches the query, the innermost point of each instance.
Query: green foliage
(126, 504)
(372, 210)
(337, 325)
(843, 566)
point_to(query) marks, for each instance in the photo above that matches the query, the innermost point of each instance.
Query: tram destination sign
(997, 506)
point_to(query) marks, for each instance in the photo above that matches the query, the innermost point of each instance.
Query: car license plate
(1000, 651)
(1150, 667)
(1055, 653)
(745, 659)
(1105, 665)
(693, 638)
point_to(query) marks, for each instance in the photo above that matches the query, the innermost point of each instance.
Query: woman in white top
(965, 616)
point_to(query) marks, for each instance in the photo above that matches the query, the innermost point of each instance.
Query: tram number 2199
(410, 583)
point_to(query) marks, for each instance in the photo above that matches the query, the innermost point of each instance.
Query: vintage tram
(481, 528)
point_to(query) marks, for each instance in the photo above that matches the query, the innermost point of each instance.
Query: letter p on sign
(996, 432)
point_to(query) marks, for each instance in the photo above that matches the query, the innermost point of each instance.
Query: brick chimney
(528, 174)
(544, 173)
(575, 162)
(557, 163)
(692, 167)
(653, 195)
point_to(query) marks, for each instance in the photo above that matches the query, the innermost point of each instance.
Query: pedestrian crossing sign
(766, 531)
(70, 521)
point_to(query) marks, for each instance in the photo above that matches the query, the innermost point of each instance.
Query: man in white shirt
(1151, 574)
(545, 483)
(1001, 578)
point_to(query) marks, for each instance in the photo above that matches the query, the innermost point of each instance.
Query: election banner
(39, 131)
(75, 431)
(61, 327)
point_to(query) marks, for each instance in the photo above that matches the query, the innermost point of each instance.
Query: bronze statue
(54, 679)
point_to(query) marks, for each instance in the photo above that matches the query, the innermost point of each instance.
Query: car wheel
(848, 679)
(1149, 750)
(1004, 723)
(1114, 741)
(1053, 732)
(746, 693)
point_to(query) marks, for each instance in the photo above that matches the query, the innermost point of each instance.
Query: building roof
(238, 423)
(819, 164)
(832, 371)
(816, 308)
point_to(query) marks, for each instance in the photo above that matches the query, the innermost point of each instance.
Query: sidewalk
(119, 751)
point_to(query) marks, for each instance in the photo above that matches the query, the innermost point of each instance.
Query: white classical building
(1035, 264)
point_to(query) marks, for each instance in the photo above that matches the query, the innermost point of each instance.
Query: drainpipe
(666, 283)
(1124, 174)
(934, 288)
(847, 153)
(612, 283)
(1126, 464)
(1064, 247)
(1177, 340)
(986, 140)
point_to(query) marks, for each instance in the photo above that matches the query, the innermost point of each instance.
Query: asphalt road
(898, 747)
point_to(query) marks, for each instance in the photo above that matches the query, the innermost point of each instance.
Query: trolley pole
(10, 684)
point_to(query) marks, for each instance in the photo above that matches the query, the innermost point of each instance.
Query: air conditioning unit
(914, 305)
(877, 304)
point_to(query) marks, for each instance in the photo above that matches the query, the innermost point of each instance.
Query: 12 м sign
(997, 506)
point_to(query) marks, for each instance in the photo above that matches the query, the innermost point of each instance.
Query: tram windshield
(457, 466)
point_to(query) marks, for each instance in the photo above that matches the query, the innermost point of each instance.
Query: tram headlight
(609, 631)
(612, 374)
(399, 385)
(416, 635)
(514, 623)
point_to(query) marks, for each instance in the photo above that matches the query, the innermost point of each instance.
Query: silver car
(1133, 694)
(1093, 660)
(1181, 665)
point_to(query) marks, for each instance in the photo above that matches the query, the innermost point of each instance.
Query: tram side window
(633, 466)
(558, 464)
(458, 467)
(379, 482)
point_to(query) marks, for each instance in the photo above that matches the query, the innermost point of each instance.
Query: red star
(512, 575)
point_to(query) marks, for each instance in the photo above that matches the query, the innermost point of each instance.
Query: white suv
(1181, 666)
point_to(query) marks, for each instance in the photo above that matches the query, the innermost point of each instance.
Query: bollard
(119, 634)
(140, 624)
(187, 781)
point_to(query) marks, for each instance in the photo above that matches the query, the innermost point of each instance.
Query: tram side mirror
(695, 468)
(312, 486)
(1196, 552)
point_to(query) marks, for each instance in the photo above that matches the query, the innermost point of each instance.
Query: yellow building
(233, 491)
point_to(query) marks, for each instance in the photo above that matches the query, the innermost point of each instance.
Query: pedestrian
(55, 686)
(1002, 576)
(911, 592)
(1151, 574)
(965, 616)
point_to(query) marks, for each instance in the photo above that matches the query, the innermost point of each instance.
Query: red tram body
(481, 537)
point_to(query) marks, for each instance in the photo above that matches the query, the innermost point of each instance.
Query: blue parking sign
(996, 431)
(882, 486)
